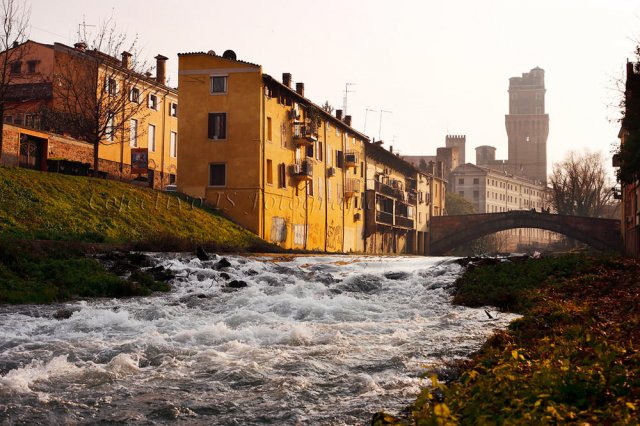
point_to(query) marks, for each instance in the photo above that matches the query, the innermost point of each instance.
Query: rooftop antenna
(366, 111)
(346, 94)
(82, 35)
(380, 125)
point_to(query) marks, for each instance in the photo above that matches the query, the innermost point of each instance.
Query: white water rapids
(310, 340)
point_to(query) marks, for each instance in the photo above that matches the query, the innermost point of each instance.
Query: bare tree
(580, 186)
(15, 24)
(326, 107)
(98, 96)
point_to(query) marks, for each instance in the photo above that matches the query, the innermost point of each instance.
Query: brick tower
(528, 126)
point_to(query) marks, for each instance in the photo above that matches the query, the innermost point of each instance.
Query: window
(310, 187)
(217, 125)
(329, 156)
(282, 176)
(309, 151)
(269, 172)
(31, 67)
(153, 102)
(476, 181)
(173, 109)
(8, 119)
(217, 174)
(219, 84)
(152, 138)
(172, 178)
(16, 67)
(134, 95)
(110, 129)
(133, 133)
(476, 194)
(318, 150)
(173, 145)
(269, 130)
(362, 169)
(461, 181)
(111, 86)
(339, 159)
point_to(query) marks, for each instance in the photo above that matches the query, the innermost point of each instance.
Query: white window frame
(173, 109)
(173, 144)
(152, 104)
(133, 98)
(133, 133)
(110, 129)
(151, 138)
(211, 85)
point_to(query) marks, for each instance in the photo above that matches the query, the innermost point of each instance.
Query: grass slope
(36, 205)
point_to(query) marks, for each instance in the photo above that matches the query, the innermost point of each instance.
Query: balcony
(385, 189)
(304, 135)
(351, 186)
(351, 159)
(404, 222)
(302, 170)
(412, 197)
(384, 217)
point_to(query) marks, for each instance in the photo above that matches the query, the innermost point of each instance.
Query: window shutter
(211, 130)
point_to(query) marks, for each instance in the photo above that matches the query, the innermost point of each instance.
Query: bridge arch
(448, 232)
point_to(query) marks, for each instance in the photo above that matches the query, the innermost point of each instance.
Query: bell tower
(528, 126)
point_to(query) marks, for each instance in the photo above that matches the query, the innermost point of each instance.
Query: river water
(311, 340)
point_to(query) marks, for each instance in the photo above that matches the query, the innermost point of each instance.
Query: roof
(377, 152)
(116, 64)
(268, 79)
(212, 53)
(488, 170)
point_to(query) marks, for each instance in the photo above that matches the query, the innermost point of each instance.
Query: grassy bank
(49, 206)
(574, 357)
(49, 223)
(46, 273)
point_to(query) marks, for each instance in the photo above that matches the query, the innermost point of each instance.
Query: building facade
(630, 185)
(527, 126)
(289, 171)
(494, 191)
(152, 128)
(268, 157)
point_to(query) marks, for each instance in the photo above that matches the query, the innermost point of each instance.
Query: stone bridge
(448, 232)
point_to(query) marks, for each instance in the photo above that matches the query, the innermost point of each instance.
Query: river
(310, 340)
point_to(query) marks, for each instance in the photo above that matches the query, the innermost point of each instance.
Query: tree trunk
(96, 145)
(1, 130)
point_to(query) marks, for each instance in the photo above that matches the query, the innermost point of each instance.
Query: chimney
(300, 89)
(161, 69)
(126, 60)
(347, 120)
(339, 114)
(15, 44)
(391, 149)
(81, 46)
(286, 79)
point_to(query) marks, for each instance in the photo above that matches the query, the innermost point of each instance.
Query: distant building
(528, 126)
(446, 159)
(494, 191)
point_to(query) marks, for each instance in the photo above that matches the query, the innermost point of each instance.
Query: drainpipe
(344, 181)
(326, 183)
(164, 130)
(262, 219)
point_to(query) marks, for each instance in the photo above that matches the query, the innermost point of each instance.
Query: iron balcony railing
(404, 222)
(385, 189)
(351, 158)
(351, 186)
(304, 134)
(303, 169)
(384, 217)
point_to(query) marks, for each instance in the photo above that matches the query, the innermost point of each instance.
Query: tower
(528, 126)
(459, 142)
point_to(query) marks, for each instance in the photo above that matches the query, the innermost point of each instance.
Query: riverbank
(574, 356)
(52, 226)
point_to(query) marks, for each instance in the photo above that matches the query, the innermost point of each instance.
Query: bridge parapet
(448, 232)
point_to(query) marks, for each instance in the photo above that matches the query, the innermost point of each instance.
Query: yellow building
(268, 157)
(152, 127)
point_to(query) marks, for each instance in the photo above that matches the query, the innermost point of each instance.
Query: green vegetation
(46, 273)
(457, 204)
(574, 357)
(48, 206)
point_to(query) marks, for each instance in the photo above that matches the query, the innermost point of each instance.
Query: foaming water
(310, 340)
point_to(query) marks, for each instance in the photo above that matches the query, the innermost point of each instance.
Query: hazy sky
(439, 66)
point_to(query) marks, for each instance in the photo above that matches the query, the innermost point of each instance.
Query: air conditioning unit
(331, 171)
(297, 169)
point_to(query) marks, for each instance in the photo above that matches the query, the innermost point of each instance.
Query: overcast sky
(440, 67)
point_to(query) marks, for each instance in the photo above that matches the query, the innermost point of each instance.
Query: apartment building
(268, 157)
(150, 132)
(495, 191)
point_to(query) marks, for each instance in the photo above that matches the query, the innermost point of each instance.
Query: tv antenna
(366, 111)
(346, 94)
(380, 125)
(82, 34)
